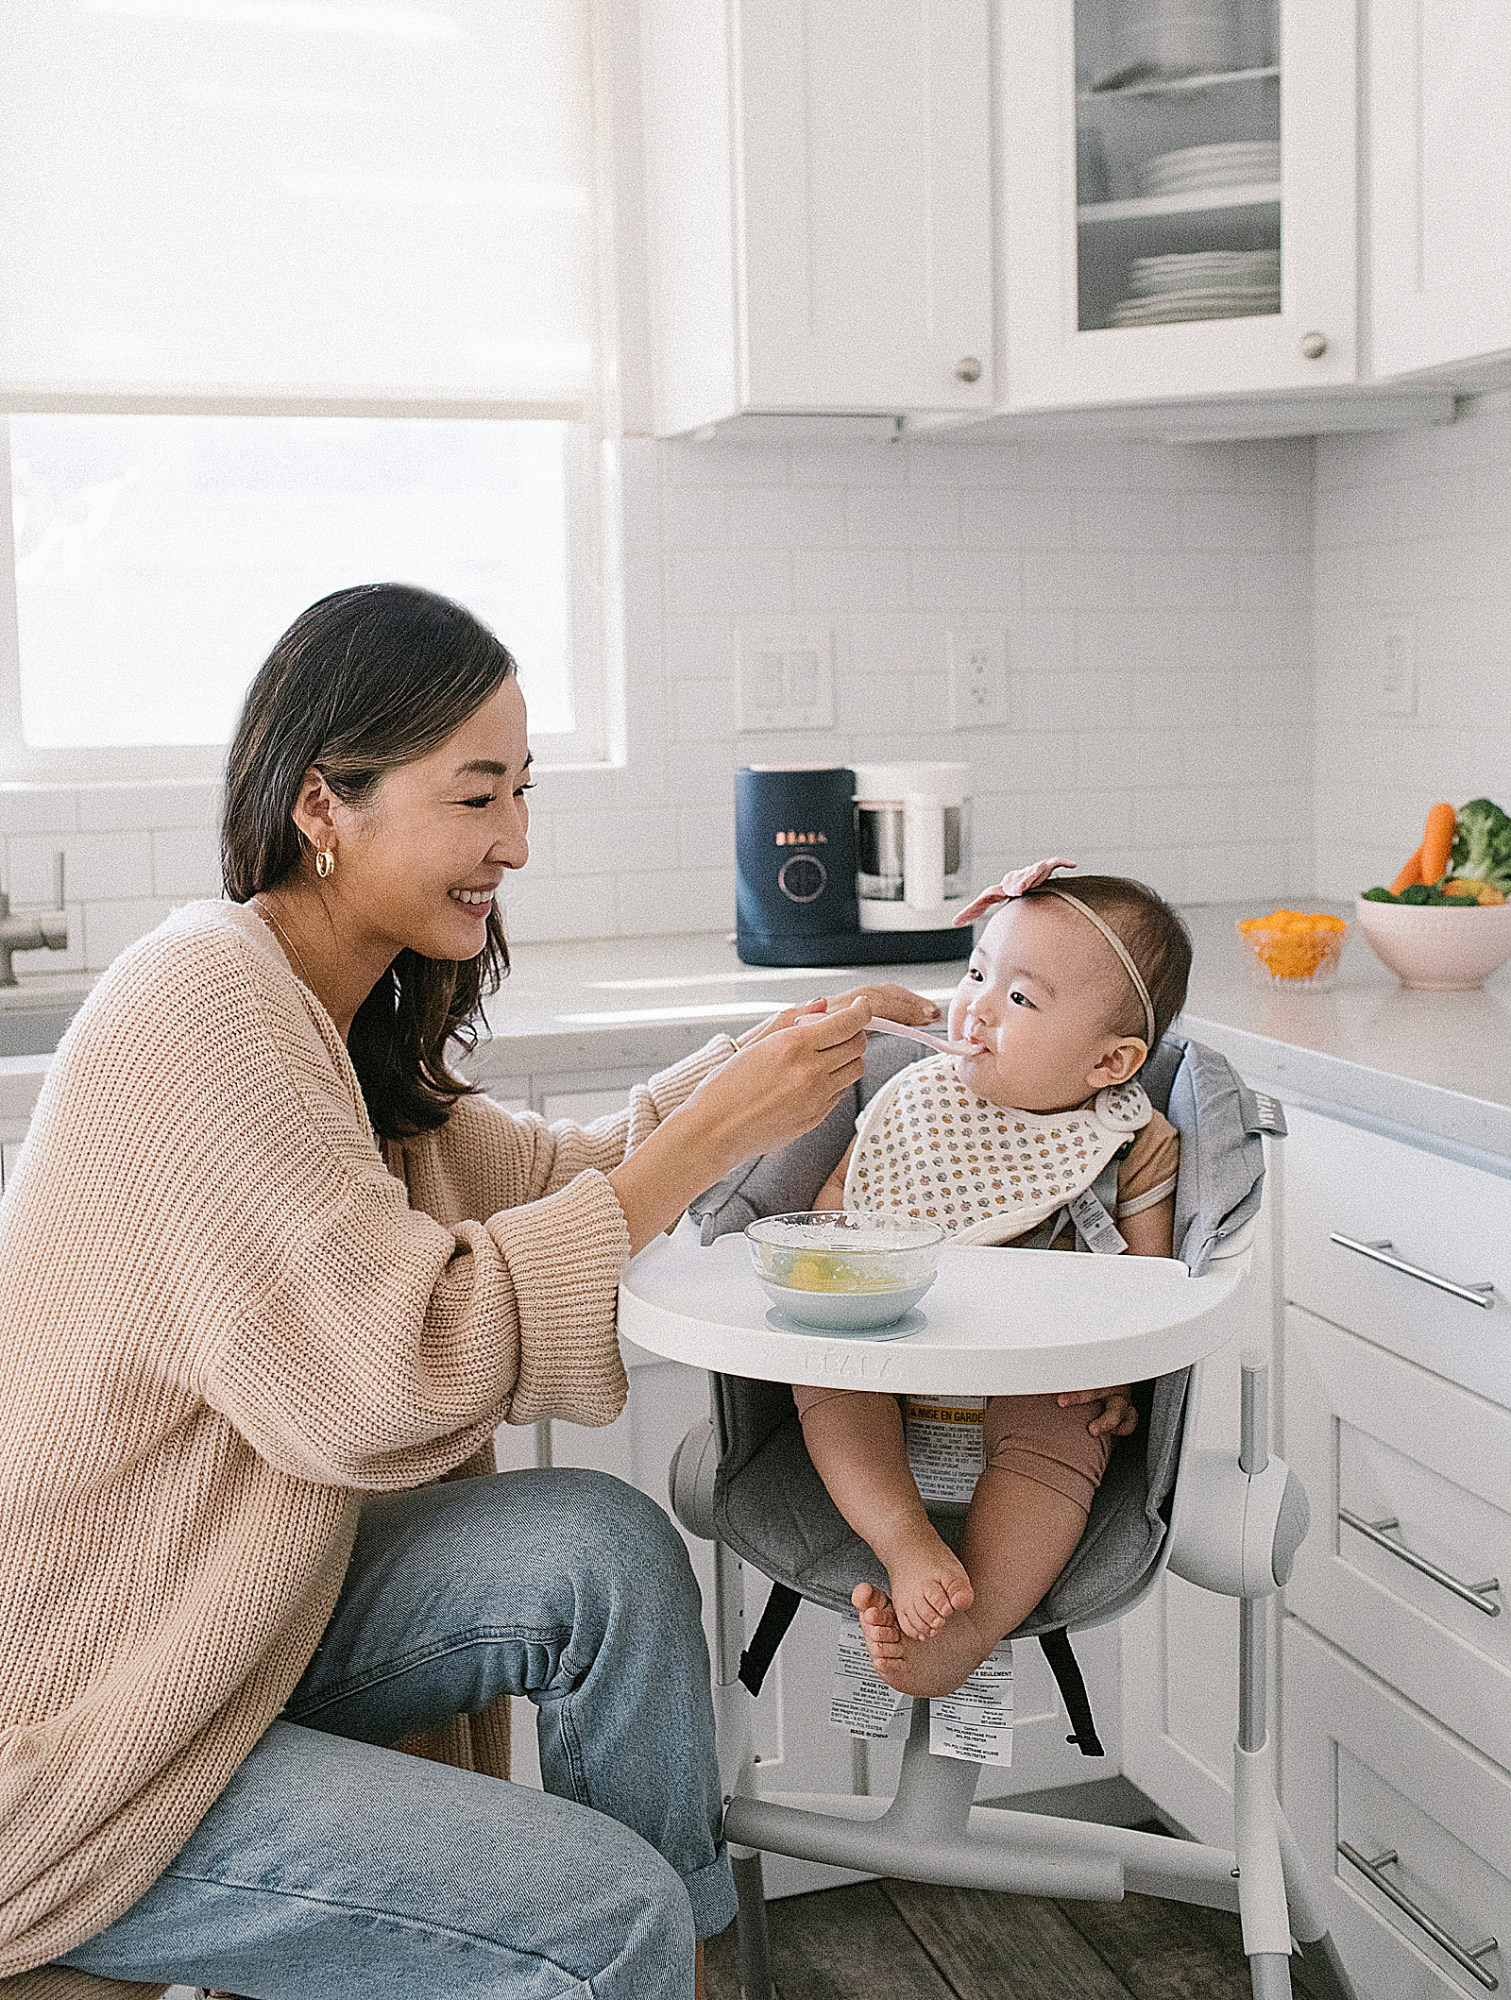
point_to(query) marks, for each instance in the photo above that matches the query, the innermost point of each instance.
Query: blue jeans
(332, 1868)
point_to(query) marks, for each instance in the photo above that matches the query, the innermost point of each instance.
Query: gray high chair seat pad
(771, 1507)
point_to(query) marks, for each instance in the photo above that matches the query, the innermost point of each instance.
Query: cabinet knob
(968, 369)
(1314, 345)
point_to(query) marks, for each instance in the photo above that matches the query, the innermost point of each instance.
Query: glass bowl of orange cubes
(1296, 951)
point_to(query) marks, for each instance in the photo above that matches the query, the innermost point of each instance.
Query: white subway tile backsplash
(903, 517)
(96, 866)
(1075, 579)
(185, 862)
(109, 926)
(787, 517)
(849, 580)
(1155, 599)
(734, 580)
(1409, 525)
(145, 808)
(965, 580)
(997, 517)
(38, 809)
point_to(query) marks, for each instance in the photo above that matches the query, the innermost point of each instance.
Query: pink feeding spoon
(945, 1048)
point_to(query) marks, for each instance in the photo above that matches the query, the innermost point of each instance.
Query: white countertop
(1433, 1066)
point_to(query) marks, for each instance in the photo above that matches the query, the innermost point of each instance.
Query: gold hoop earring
(325, 862)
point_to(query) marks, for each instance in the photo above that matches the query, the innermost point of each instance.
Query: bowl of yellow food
(1297, 950)
(844, 1273)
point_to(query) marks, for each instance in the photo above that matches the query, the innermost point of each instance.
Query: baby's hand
(1117, 1417)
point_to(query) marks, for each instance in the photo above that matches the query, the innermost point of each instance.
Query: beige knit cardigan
(223, 1321)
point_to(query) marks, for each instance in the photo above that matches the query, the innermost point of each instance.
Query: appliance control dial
(802, 879)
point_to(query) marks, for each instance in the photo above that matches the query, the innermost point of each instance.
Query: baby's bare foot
(928, 1583)
(933, 1666)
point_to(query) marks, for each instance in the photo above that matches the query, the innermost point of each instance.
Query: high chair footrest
(964, 1863)
(847, 1832)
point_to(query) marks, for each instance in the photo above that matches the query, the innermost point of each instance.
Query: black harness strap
(1067, 1672)
(781, 1609)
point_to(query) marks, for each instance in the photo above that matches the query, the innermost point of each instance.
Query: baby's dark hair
(1157, 941)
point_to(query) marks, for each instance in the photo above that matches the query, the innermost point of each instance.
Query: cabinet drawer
(1362, 1768)
(1445, 1220)
(1373, 1437)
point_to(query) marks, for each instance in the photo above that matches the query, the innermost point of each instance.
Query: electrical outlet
(978, 680)
(784, 678)
(1395, 667)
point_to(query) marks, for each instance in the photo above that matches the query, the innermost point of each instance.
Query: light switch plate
(784, 676)
(1395, 667)
(978, 685)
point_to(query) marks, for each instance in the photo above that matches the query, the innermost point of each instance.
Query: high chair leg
(752, 1935)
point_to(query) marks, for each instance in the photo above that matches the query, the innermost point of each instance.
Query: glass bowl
(828, 1268)
(1295, 951)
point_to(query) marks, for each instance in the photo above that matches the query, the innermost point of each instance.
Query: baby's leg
(855, 1439)
(1027, 1515)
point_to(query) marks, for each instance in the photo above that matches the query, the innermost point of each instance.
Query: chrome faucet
(42, 930)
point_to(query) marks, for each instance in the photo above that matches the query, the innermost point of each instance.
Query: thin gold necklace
(267, 915)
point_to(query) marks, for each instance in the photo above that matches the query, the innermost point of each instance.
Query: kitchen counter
(1432, 1067)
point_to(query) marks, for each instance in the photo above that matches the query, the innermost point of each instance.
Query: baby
(1066, 993)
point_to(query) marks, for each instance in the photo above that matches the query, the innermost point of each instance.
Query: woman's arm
(774, 1089)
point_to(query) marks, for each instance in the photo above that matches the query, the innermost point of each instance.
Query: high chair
(1000, 1322)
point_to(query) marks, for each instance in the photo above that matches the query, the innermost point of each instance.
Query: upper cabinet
(1438, 166)
(1178, 195)
(819, 189)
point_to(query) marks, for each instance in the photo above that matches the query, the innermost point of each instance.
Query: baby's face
(1039, 1000)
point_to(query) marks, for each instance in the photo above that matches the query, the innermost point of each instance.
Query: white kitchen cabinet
(1137, 268)
(1438, 174)
(1369, 1778)
(819, 199)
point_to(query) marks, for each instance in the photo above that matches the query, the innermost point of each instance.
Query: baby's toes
(962, 1596)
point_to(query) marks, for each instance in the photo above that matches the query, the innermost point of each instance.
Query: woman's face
(418, 862)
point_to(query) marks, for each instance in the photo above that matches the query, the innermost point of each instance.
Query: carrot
(1412, 872)
(1437, 842)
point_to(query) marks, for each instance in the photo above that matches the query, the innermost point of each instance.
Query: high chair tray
(998, 1321)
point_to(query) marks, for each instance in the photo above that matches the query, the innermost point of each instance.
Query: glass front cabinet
(1179, 206)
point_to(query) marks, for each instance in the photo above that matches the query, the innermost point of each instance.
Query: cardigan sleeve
(391, 1346)
(491, 1295)
(203, 1168)
(485, 1158)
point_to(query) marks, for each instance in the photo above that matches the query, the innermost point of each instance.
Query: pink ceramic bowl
(1439, 950)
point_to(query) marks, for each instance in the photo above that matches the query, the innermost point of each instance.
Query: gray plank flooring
(915, 1941)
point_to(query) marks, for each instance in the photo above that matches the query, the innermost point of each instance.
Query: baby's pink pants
(1030, 1435)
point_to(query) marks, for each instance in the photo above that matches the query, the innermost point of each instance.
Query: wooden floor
(911, 1941)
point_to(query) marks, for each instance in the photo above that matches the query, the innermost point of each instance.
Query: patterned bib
(929, 1148)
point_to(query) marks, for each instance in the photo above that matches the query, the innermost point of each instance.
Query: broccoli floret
(1482, 844)
(1379, 896)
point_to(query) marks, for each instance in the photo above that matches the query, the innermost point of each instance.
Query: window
(158, 558)
(301, 293)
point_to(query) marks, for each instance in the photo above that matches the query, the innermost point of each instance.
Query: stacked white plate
(1200, 169)
(1200, 284)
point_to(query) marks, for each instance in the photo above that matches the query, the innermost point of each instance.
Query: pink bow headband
(1019, 881)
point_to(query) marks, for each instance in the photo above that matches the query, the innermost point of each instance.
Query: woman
(268, 1272)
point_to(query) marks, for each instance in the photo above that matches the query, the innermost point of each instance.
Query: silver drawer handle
(1466, 1956)
(1379, 1253)
(1375, 1531)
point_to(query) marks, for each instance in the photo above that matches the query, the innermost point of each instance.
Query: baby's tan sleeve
(1147, 1175)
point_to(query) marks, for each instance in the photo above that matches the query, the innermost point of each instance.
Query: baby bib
(929, 1148)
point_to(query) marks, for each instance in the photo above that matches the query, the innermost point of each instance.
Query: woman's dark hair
(1157, 941)
(364, 681)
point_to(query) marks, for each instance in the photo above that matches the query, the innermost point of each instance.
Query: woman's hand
(891, 1003)
(772, 1089)
(1117, 1417)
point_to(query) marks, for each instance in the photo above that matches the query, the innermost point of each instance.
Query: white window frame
(595, 584)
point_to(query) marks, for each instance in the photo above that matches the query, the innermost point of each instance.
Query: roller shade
(296, 199)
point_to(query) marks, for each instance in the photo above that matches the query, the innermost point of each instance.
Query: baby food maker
(842, 866)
